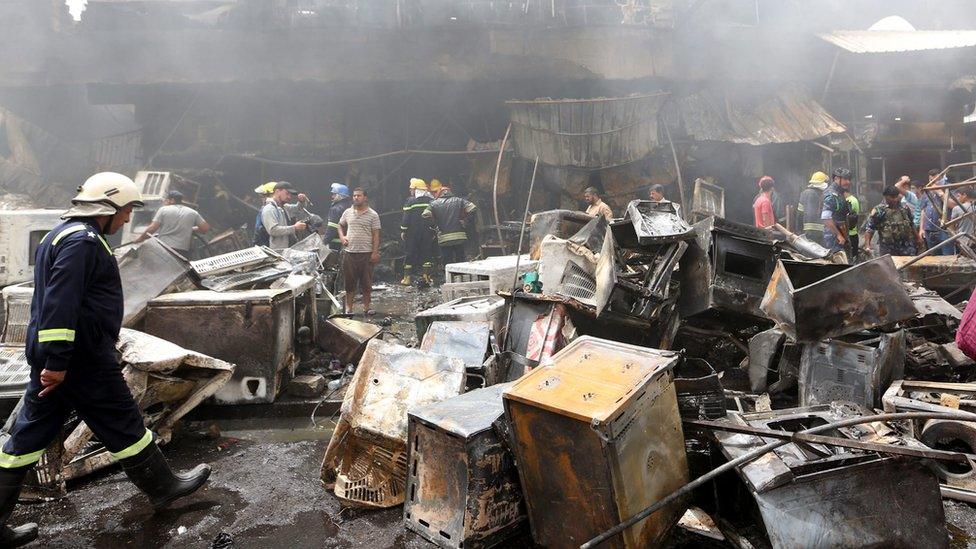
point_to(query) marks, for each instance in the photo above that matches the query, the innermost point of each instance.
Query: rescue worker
(852, 220)
(415, 233)
(264, 191)
(435, 188)
(277, 213)
(448, 214)
(341, 202)
(809, 208)
(892, 221)
(835, 211)
(75, 318)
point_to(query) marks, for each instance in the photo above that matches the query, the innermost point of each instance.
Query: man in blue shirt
(930, 228)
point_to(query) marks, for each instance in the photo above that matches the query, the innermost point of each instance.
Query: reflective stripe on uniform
(421, 205)
(451, 237)
(107, 247)
(333, 225)
(66, 232)
(8, 461)
(139, 446)
(813, 227)
(55, 334)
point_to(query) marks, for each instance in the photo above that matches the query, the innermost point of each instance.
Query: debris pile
(621, 367)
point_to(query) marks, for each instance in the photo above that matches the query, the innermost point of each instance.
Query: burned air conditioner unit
(726, 269)
(20, 233)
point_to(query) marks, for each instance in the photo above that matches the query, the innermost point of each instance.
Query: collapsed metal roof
(789, 116)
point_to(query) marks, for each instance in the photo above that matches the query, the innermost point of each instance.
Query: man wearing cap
(275, 219)
(341, 202)
(174, 224)
(75, 318)
(809, 207)
(415, 232)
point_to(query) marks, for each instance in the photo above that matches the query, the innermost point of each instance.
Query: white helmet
(109, 188)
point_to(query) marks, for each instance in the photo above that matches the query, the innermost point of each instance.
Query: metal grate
(578, 283)
(17, 317)
(14, 371)
(371, 475)
(154, 184)
(230, 261)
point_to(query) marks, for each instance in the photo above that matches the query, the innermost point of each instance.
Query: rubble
(308, 386)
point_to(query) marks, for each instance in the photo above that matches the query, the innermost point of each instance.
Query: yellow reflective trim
(333, 225)
(813, 227)
(66, 232)
(8, 461)
(451, 237)
(107, 247)
(139, 446)
(55, 334)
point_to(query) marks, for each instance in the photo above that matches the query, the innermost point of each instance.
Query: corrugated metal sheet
(788, 116)
(586, 133)
(874, 41)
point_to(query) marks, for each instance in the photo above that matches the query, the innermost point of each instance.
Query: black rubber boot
(150, 472)
(10, 482)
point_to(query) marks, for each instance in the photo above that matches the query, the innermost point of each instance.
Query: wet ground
(265, 490)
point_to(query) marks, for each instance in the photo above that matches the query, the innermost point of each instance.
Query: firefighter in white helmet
(76, 315)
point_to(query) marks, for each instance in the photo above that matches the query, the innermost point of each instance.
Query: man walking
(892, 222)
(415, 233)
(835, 211)
(596, 206)
(359, 231)
(75, 318)
(275, 219)
(174, 224)
(340, 203)
(810, 206)
(449, 214)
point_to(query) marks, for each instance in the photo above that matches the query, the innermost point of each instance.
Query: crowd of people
(908, 221)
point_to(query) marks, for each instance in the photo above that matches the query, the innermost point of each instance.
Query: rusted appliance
(597, 438)
(859, 369)
(725, 269)
(942, 273)
(346, 338)
(558, 223)
(148, 270)
(366, 461)
(648, 223)
(481, 308)
(469, 341)
(817, 496)
(462, 485)
(254, 329)
(810, 302)
(707, 200)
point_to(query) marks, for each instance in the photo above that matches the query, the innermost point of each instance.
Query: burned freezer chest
(811, 495)
(726, 269)
(857, 370)
(254, 329)
(499, 271)
(489, 309)
(598, 431)
(462, 485)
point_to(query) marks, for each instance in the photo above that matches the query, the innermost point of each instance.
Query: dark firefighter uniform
(836, 208)
(895, 228)
(809, 209)
(332, 231)
(418, 239)
(449, 213)
(76, 314)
